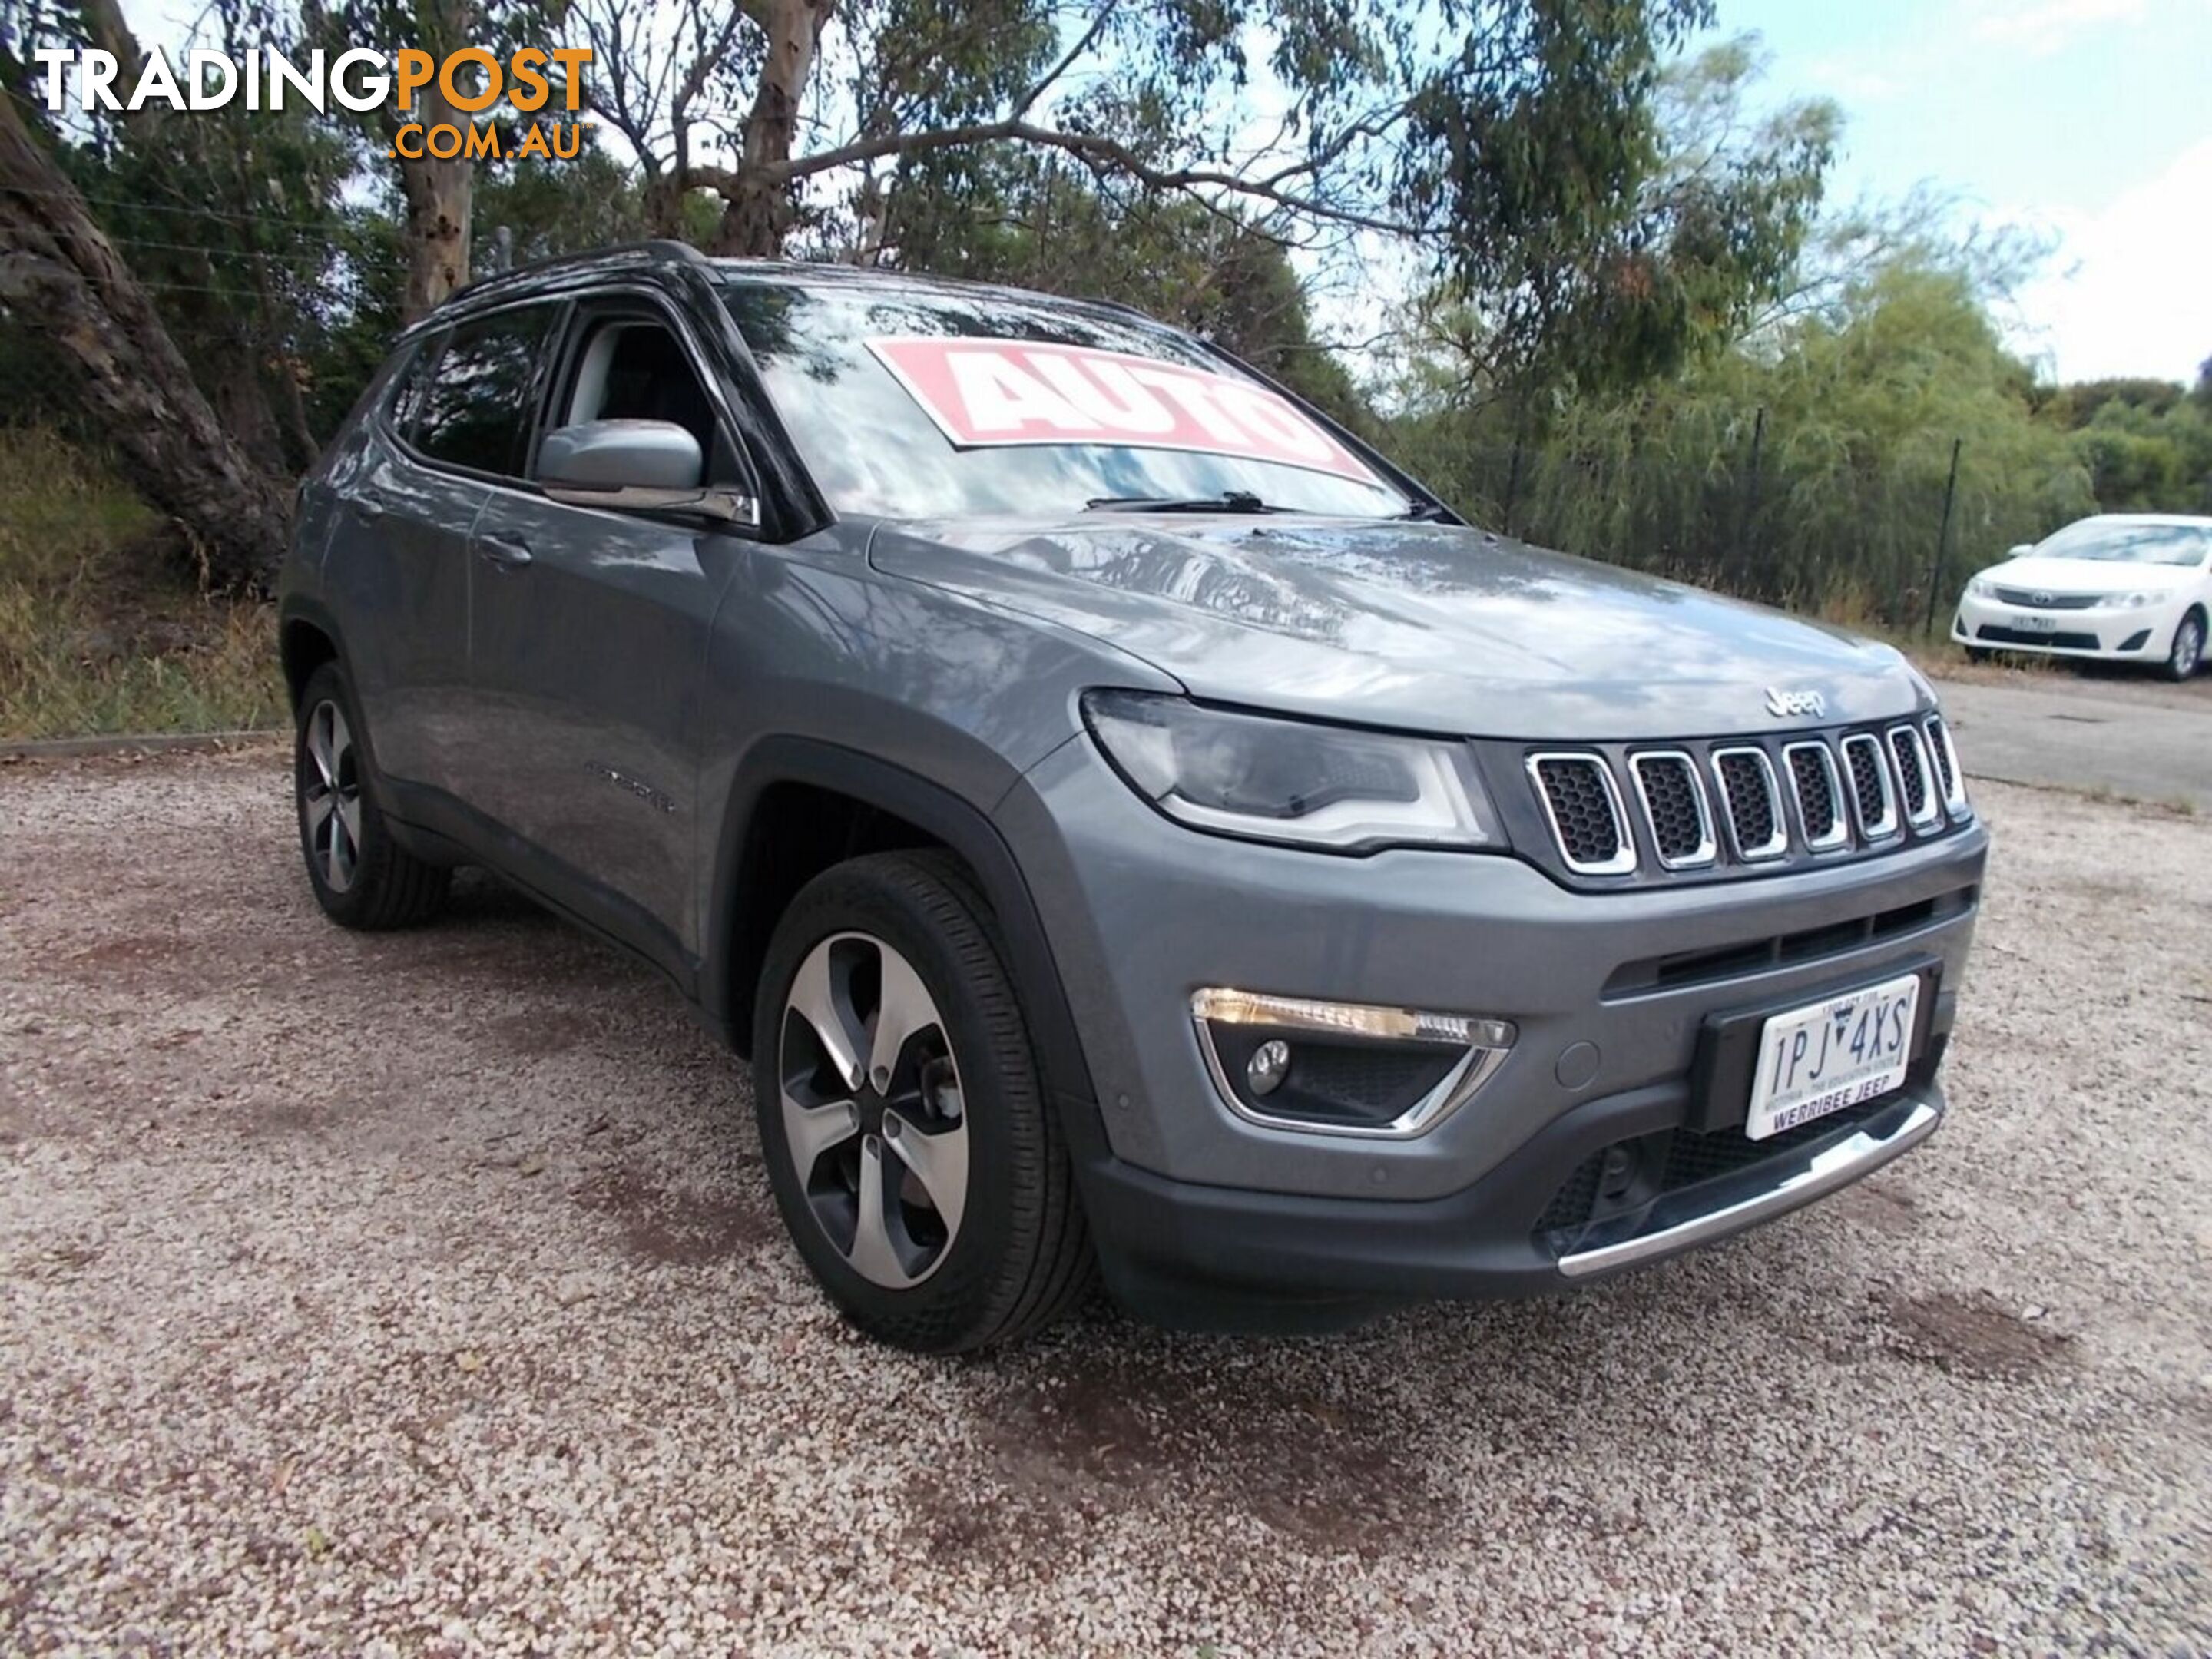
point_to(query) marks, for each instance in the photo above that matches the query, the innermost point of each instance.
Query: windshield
(2119, 542)
(913, 403)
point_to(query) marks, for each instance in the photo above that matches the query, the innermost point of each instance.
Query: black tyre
(1976, 655)
(918, 1166)
(361, 877)
(2187, 655)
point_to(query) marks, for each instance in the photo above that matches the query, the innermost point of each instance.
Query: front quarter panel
(812, 644)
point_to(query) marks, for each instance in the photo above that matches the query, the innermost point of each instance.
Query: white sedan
(2122, 587)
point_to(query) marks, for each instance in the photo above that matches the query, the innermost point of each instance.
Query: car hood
(1428, 628)
(2035, 574)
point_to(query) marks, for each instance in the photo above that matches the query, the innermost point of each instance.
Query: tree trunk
(233, 385)
(233, 379)
(440, 199)
(58, 274)
(301, 448)
(758, 210)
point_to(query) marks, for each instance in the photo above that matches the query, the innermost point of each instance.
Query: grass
(100, 630)
(1935, 655)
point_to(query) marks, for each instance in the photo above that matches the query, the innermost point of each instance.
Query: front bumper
(1609, 992)
(2109, 633)
(1223, 1259)
(1198, 1210)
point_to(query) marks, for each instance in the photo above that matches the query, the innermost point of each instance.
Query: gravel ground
(422, 1294)
(2102, 681)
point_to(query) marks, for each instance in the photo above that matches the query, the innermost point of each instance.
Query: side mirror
(2017, 551)
(648, 466)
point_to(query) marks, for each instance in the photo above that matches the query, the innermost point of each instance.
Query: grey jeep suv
(1126, 821)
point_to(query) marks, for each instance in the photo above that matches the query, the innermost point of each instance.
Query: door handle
(507, 555)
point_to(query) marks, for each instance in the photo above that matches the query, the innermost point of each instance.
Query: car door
(588, 641)
(397, 570)
(458, 422)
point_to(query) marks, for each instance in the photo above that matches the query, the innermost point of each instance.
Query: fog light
(1348, 1019)
(1269, 1065)
(1359, 1068)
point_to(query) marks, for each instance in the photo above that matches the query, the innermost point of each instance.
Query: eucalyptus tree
(1511, 143)
(63, 279)
(181, 269)
(437, 193)
(1040, 220)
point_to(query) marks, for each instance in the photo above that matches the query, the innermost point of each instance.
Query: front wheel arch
(741, 921)
(304, 644)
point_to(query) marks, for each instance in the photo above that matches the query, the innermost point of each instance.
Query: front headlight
(1982, 588)
(2131, 601)
(1265, 779)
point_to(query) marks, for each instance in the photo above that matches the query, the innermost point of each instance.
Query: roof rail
(656, 251)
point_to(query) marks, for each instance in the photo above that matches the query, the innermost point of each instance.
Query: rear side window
(475, 410)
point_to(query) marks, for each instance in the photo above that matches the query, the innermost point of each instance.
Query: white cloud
(2049, 27)
(2127, 294)
(1858, 78)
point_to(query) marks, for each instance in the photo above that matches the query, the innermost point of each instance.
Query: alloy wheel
(873, 1117)
(329, 797)
(2188, 647)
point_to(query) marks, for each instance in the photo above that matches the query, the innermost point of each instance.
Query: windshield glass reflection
(2129, 543)
(873, 449)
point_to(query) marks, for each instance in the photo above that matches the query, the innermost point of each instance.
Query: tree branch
(1103, 156)
(1084, 42)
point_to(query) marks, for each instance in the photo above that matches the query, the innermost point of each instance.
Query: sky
(2087, 121)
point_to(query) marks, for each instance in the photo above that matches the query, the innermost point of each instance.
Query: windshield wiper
(1426, 512)
(1228, 501)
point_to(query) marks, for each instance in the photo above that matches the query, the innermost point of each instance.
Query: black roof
(662, 254)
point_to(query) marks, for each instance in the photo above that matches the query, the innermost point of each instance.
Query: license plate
(1827, 1055)
(2035, 625)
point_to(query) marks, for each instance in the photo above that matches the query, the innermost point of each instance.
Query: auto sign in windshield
(2122, 543)
(917, 404)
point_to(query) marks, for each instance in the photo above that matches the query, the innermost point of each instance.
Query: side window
(633, 367)
(477, 406)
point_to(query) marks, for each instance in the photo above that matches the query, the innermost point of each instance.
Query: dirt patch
(2098, 891)
(674, 1229)
(1330, 1474)
(286, 1117)
(1973, 1336)
(534, 1035)
(128, 964)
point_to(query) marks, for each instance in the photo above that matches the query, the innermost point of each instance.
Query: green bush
(1806, 467)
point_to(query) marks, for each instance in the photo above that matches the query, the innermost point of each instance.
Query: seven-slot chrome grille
(1735, 806)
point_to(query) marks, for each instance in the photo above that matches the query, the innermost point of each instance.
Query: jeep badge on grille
(1783, 704)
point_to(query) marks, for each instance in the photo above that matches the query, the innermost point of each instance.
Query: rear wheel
(2188, 651)
(914, 1157)
(361, 877)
